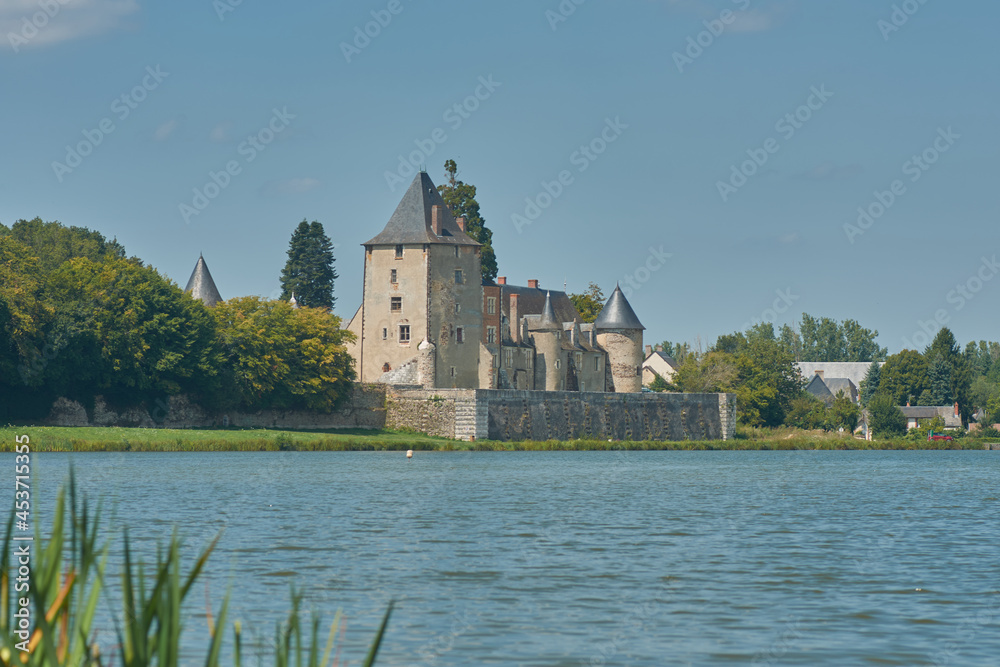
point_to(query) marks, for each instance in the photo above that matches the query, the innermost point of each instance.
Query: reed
(68, 582)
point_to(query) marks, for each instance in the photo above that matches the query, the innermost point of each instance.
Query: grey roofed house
(826, 389)
(853, 371)
(949, 413)
(201, 286)
(617, 313)
(412, 222)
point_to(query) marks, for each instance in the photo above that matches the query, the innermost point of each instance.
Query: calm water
(637, 558)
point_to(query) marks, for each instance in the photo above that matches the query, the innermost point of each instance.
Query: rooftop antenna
(564, 284)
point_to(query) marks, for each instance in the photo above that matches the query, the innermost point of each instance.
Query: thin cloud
(747, 20)
(220, 133)
(293, 186)
(163, 132)
(22, 27)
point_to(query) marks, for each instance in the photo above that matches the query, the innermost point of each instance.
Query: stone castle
(428, 319)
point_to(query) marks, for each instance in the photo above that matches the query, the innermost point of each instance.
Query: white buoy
(409, 453)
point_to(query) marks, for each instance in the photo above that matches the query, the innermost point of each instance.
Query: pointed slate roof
(411, 223)
(547, 320)
(201, 286)
(617, 313)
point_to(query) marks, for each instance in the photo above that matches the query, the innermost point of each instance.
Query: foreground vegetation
(52, 624)
(97, 439)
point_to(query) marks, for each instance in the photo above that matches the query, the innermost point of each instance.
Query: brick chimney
(514, 319)
(437, 216)
(501, 280)
(461, 222)
(957, 413)
(659, 348)
(533, 284)
(649, 350)
(820, 374)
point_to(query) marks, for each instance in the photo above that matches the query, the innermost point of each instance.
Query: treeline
(759, 366)
(78, 318)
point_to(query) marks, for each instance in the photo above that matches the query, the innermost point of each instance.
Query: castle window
(491, 305)
(583, 386)
(579, 359)
(558, 364)
(458, 308)
(597, 363)
(385, 333)
(404, 333)
(456, 251)
(453, 371)
(491, 334)
(399, 252)
(392, 276)
(396, 304)
(460, 335)
(508, 355)
(458, 277)
(496, 361)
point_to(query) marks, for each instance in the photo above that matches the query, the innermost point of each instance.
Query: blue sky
(649, 116)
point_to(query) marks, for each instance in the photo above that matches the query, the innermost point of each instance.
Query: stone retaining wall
(470, 414)
(364, 408)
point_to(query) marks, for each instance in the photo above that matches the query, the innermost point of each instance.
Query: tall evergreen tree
(309, 272)
(461, 200)
(869, 386)
(939, 381)
(960, 384)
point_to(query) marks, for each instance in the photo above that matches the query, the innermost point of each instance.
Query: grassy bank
(98, 439)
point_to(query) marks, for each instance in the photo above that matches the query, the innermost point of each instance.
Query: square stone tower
(422, 282)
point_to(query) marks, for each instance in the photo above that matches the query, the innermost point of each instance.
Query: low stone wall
(364, 408)
(468, 414)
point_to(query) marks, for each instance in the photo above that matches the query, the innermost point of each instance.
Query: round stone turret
(619, 332)
(545, 332)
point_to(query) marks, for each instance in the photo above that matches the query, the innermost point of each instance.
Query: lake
(583, 558)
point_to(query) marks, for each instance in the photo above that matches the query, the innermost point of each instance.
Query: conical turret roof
(201, 286)
(411, 223)
(547, 320)
(617, 314)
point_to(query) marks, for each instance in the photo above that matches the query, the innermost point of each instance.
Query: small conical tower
(619, 332)
(201, 286)
(293, 301)
(548, 349)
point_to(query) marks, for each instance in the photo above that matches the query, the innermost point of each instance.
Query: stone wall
(431, 411)
(468, 414)
(364, 408)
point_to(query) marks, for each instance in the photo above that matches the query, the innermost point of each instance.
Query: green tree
(23, 318)
(844, 413)
(590, 303)
(767, 380)
(54, 243)
(660, 385)
(903, 376)
(807, 412)
(938, 381)
(309, 272)
(284, 357)
(129, 333)
(711, 373)
(870, 384)
(461, 200)
(961, 375)
(884, 416)
(824, 339)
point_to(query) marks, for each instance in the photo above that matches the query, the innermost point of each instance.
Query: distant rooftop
(201, 286)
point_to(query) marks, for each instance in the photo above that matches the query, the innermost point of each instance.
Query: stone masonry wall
(364, 408)
(467, 414)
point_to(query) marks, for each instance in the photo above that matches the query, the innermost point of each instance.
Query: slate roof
(201, 286)
(853, 371)
(411, 223)
(946, 412)
(617, 313)
(531, 301)
(547, 320)
(670, 361)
